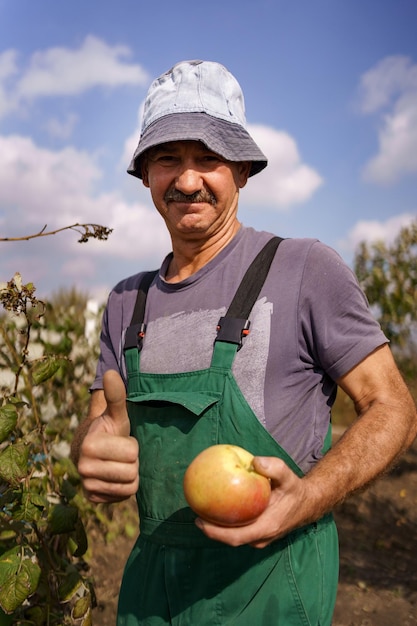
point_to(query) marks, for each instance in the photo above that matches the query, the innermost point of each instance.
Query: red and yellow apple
(222, 486)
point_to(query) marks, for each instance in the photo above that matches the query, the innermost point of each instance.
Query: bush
(46, 362)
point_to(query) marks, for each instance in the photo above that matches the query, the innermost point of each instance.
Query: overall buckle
(134, 336)
(232, 330)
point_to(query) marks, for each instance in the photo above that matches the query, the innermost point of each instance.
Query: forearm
(385, 428)
(366, 450)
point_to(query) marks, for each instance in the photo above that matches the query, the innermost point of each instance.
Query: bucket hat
(198, 101)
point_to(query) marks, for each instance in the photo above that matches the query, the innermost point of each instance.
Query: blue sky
(331, 97)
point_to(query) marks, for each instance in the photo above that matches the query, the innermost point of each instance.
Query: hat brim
(229, 140)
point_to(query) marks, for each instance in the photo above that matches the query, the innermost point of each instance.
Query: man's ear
(244, 169)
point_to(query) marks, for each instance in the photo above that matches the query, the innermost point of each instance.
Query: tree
(388, 275)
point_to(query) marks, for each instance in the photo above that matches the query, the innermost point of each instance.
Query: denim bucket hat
(199, 101)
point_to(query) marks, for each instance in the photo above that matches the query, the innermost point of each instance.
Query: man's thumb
(270, 466)
(115, 394)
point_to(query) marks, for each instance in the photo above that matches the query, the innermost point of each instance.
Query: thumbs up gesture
(108, 460)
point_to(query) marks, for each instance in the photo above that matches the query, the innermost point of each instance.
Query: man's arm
(385, 428)
(386, 425)
(103, 450)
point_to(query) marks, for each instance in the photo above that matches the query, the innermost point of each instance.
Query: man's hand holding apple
(288, 508)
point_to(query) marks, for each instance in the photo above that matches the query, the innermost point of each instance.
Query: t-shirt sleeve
(109, 353)
(337, 324)
(116, 319)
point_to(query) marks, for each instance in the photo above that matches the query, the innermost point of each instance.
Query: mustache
(203, 195)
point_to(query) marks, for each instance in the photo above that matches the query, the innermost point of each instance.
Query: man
(209, 371)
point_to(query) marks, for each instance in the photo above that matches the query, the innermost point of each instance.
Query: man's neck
(190, 256)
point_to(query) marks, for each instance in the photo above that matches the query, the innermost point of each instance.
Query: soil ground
(378, 555)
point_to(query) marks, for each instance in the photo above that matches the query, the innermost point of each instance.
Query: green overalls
(175, 574)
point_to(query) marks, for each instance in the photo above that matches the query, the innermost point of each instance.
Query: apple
(222, 486)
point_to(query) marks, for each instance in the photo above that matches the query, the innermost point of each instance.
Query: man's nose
(189, 180)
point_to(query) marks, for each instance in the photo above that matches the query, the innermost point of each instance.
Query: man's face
(195, 190)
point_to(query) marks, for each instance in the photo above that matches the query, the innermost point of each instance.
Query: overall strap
(136, 331)
(235, 324)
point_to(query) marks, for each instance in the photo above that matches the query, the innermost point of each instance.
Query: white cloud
(384, 81)
(390, 89)
(372, 230)
(8, 64)
(58, 188)
(61, 129)
(139, 231)
(132, 141)
(286, 180)
(63, 71)
(59, 71)
(397, 154)
(43, 185)
(8, 68)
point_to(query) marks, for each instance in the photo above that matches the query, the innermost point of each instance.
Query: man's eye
(166, 157)
(211, 158)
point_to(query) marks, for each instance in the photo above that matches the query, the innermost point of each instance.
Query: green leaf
(38, 615)
(71, 585)
(68, 490)
(12, 527)
(8, 420)
(80, 538)
(37, 499)
(44, 370)
(19, 577)
(18, 402)
(65, 467)
(14, 463)
(88, 619)
(62, 519)
(81, 607)
(30, 509)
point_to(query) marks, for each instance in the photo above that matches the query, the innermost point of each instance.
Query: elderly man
(234, 340)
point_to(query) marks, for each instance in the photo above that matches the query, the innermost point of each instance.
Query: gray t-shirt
(310, 325)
